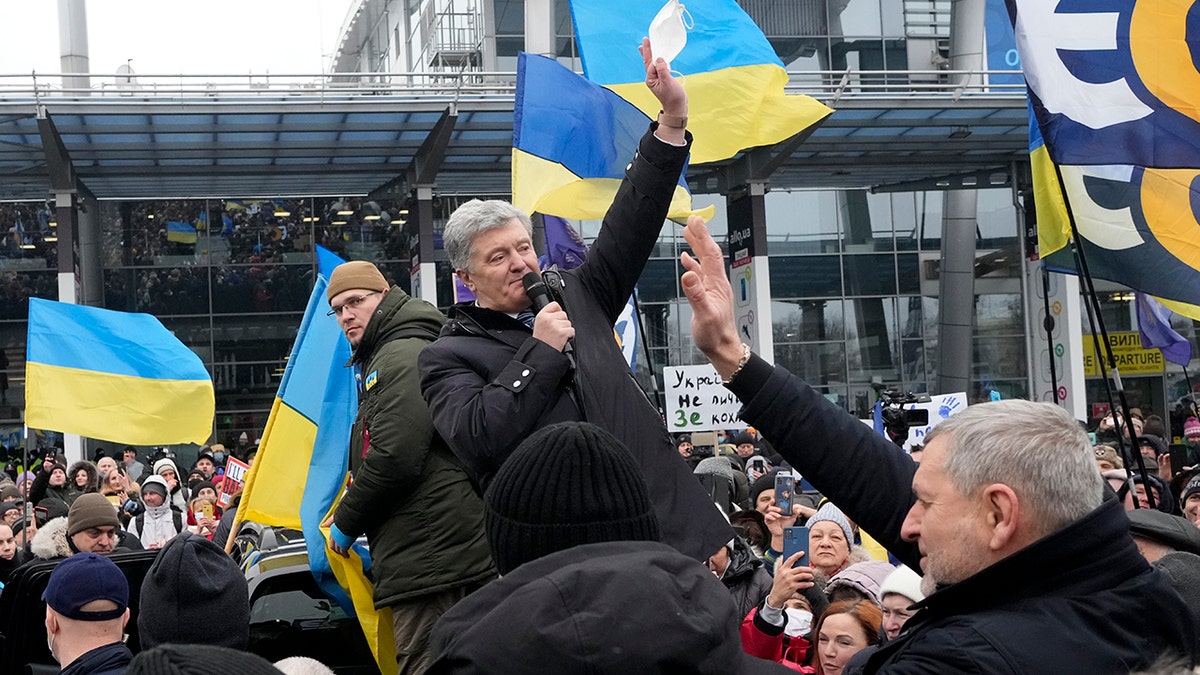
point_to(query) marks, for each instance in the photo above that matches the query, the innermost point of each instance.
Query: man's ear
(466, 279)
(1002, 511)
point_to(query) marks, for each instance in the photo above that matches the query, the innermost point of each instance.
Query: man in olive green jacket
(409, 494)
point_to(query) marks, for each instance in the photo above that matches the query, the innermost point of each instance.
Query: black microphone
(537, 290)
(539, 295)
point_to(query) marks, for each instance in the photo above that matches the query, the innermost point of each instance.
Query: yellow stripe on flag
(277, 499)
(748, 99)
(549, 187)
(95, 404)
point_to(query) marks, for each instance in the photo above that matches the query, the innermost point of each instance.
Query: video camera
(896, 418)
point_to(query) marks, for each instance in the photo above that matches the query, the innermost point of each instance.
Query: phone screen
(785, 488)
(795, 539)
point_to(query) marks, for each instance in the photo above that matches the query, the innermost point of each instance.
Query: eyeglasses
(351, 303)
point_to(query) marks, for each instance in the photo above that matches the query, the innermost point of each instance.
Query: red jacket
(765, 641)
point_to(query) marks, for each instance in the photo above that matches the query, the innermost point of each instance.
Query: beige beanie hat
(355, 274)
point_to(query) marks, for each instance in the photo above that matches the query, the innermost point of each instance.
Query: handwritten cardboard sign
(697, 401)
(235, 479)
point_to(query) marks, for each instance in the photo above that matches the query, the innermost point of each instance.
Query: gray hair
(1036, 449)
(471, 219)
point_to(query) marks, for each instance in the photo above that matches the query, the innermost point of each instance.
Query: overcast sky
(176, 36)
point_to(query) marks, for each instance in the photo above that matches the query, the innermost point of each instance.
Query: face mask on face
(668, 30)
(799, 621)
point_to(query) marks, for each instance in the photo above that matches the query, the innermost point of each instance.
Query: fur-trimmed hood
(93, 484)
(51, 540)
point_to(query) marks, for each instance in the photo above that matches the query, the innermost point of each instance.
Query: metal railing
(829, 86)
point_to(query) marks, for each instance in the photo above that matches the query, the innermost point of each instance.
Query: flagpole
(1048, 323)
(1096, 318)
(637, 312)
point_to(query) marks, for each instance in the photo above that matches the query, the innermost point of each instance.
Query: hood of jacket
(613, 607)
(398, 315)
(51, 540)
(742, 562)
(93, 484)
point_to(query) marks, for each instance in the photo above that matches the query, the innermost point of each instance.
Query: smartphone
(785, 488)
(206, 510)
(795, 540)
(1178, 457)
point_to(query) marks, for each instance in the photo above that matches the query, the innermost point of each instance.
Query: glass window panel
(249, 355)
(929, 219)
(807, 320)
(820, 363)
(870, 274)
(997, 315)
(904, 220)
(659, 281)
(911, 317)
(160, 291)
(998, 358)
(871, 340)
(859, 17)
(997, 217)
(912, 356)
(18, 285)
(892, 15)
(802, 222)
(30, 239)
(908, 272)
(239, 289)
(812, 276)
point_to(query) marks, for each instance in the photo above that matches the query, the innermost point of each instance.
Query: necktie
(526, 317)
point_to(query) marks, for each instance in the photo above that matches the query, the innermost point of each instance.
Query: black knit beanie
(198, 660)
(568, 484)
(192, 581)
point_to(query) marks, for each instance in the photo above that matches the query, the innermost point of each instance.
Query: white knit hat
(903, 581)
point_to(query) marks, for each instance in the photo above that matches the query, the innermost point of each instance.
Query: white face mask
(799, 621)
(668, 30)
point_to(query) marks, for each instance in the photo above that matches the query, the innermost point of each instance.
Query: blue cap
(84, 578)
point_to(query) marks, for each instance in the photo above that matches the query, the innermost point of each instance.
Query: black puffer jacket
(1080, 600)
(616, 607)
(746, 578)
(411, 496)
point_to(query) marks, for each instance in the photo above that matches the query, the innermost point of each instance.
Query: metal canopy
(126, 145)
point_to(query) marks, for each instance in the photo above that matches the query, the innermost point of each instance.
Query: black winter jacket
(613, 607)
(422, 516)
(490, 384)
(746, 578)
(1081, 600)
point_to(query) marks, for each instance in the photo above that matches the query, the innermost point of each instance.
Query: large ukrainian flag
(571, 143)
(732, 75)
(303, 462)
(115, 376)
(1116, 102)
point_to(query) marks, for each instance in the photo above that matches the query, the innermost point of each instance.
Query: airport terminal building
(893, 237)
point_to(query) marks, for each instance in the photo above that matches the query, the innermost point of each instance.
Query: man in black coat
(1031, 562)
(491, 380)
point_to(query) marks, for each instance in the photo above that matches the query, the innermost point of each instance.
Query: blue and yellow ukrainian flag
(304, 462)
(733, 77)
(180, 232)
(571, 143)
(1116, 96)
(115, 376)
